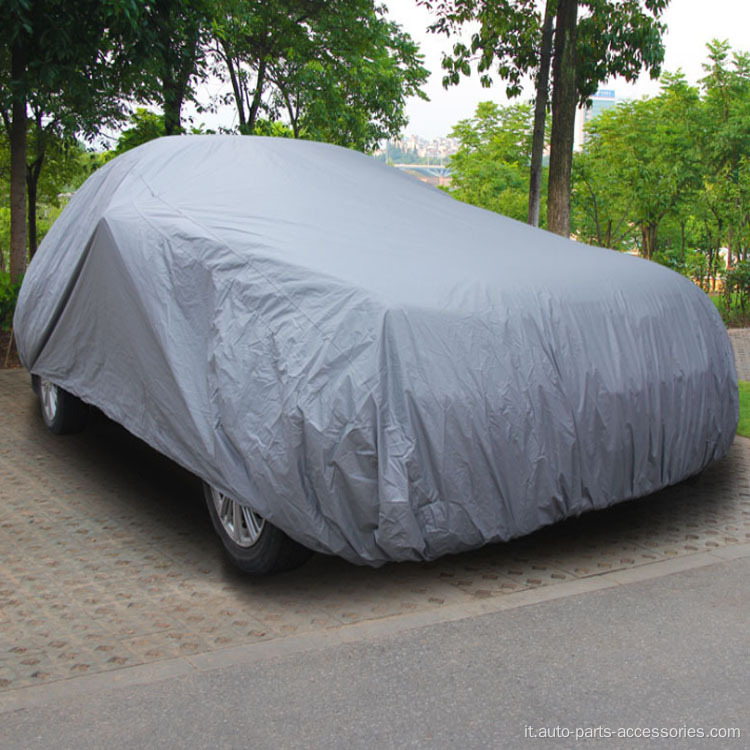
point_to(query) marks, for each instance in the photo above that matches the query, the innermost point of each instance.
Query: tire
(253, 545)
(63, 413)
(693, 480)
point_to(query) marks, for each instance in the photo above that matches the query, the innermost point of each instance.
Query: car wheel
(62, 412)
(253, 544)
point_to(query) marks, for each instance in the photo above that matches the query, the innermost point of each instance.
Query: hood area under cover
(381, 371)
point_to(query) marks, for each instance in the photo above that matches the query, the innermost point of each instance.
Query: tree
(540, 113)
(67, 64)
(726, 144)
(246, 36)
(339, 70)
(66, 165)
(173, 45)
(602, 205)
(350, 86)
(490, 166)
(593, 39)
(144, 126)
(642, 162)
(564, 100)
(676, 169)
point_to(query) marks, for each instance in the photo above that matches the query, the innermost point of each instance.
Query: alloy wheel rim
(50, 398)
(242, 525)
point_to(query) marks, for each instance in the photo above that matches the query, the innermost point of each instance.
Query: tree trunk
(730, 247)
(648, 237)
(18, 166)
(33, 171)
(294, 115)
(172, 105)
(176, 79)
(564, 99)
(540, 114)
(234, 78)
(31, 184)
(682, 240)
(260, 82)
(172, 93)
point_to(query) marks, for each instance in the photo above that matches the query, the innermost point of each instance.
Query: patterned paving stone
(109, 559)
(740, 338)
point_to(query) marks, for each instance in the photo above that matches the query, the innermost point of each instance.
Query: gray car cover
(383, 372)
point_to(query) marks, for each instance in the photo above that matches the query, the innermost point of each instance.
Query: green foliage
(65, 67)
(640, 163)
(490, 168)
(507, 38)
(67, 165)
(671, 176)
(667, 175)
(4, 236)
(586, 41)
(671, 258)
(272, 128)
(174, 48)
(75, 59)
(339, 71)
(737, 286)
(725, 148)
(144, 126)
(614, 37)
(697, 266)
(601, 201)
(743, 428)
(8, 297)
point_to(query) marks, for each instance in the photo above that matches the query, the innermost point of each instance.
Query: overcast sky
(690, 25)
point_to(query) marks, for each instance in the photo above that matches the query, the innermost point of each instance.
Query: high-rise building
(603, 99)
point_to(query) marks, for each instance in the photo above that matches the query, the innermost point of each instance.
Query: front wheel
(63, 413)
(253, 544)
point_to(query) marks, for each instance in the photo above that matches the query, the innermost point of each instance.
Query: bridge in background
(428, 170)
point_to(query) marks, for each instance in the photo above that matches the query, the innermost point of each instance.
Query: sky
(690, 25)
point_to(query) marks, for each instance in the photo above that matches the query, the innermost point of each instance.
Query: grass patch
(743, 428)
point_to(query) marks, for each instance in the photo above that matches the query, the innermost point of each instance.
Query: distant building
(602, 100)
(413, 147)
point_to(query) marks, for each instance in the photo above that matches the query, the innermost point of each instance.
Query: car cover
(381, 371)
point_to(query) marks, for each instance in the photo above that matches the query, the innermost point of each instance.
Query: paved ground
(110, 565)
(740, 338)
(669, 653)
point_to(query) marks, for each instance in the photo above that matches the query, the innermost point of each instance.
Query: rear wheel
(63, 413)
(253, 544)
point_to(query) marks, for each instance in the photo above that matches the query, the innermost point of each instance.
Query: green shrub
(734, 301)
(8, 297)
(698, 269)
(671, 258)
(737, 286)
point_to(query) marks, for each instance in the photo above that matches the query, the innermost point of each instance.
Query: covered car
(358, 360)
